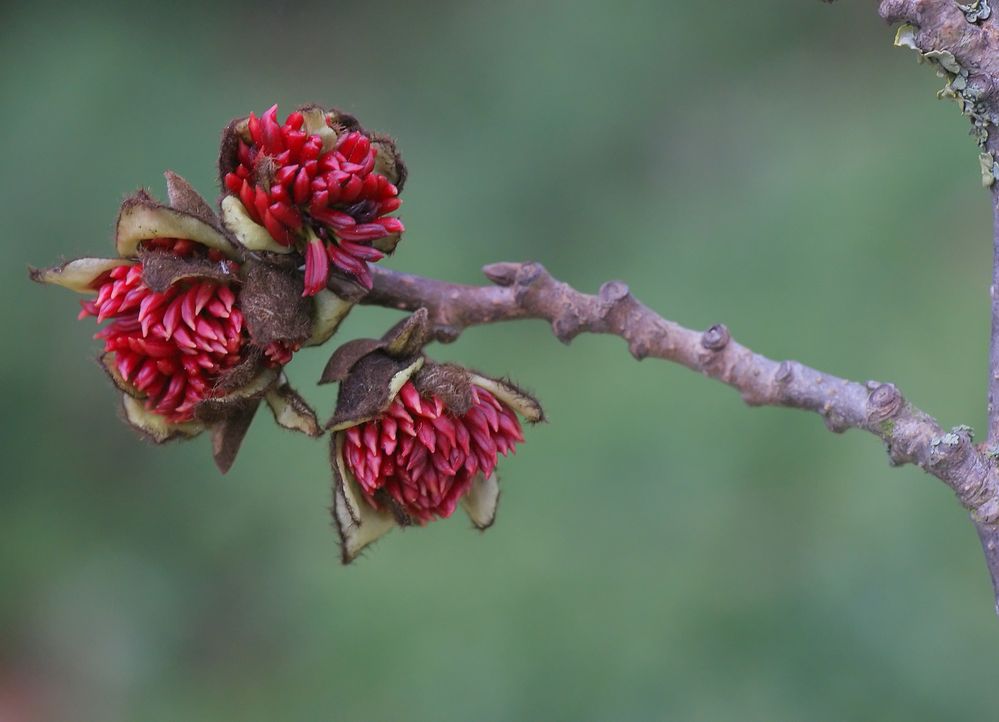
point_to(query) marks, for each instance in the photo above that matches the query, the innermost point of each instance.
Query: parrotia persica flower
(413, 439)
(195, 333)
(199, 312)
(318, 185)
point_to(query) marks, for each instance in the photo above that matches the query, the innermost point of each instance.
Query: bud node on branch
(716, 338)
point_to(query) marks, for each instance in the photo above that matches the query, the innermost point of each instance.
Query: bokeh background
(662, 550)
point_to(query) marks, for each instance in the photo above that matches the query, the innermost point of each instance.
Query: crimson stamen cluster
(172, 346)
(423, 456)
(329, 204)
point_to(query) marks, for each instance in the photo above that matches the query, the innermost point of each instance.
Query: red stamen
(317, 267)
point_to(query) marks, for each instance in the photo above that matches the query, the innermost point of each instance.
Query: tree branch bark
(969, 33)
(989, 533)
(528, 291)
(993, 408)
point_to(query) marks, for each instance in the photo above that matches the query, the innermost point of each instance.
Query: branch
(963, 39)
(989, 533)
(993, 408)
(528, 291)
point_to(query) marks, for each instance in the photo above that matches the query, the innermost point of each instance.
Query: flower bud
(317, 185)
(188, 341)
(412, 439)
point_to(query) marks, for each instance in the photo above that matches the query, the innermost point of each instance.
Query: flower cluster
(200, 311)
(315, 184)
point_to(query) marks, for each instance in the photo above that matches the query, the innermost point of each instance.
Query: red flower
(413, 439)
(316, 183)
(182, 304)
(424, 456)
(169, 346)
(173, 346)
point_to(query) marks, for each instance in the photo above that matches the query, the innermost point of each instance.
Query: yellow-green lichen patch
(966, 91)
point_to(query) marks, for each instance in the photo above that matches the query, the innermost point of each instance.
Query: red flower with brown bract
(197, 333)
(170, 346)
(174, 345)
(414, 439)
(316, 183)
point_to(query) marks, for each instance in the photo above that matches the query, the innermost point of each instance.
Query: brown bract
(273, 305)
(161, 269)
(141, 218)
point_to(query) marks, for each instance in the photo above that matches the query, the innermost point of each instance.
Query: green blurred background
(662, 550)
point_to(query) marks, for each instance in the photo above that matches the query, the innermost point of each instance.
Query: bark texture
(968, 33)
